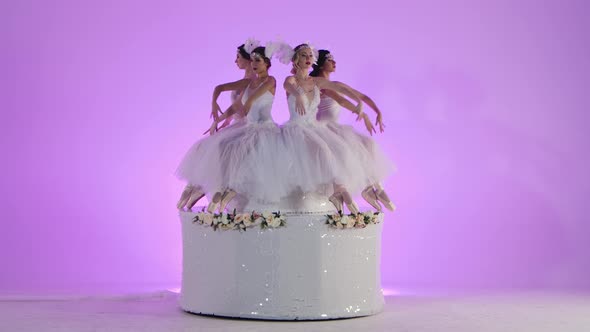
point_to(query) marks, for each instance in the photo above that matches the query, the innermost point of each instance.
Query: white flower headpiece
(273, 48)
(280, 50)
(251, 44)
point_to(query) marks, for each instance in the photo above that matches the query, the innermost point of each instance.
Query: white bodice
(328, 109)
(261, 107)
(311, 107)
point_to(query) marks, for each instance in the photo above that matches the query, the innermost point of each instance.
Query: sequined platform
(304, 270)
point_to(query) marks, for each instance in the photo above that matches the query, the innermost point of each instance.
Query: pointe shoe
(228, 195)
(196, 195)
(214, 201)
(336, 199)
(184, 197)
(370, 197)
(383, 198)
(350, 204)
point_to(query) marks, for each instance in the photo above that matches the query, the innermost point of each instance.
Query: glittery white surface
(298, 203)
(303, 271)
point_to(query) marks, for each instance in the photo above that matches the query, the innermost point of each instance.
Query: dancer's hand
(360, 114)
(379, 122)
(225, 123)
(369, 125)
(215, 110)
(300, 105)
(213, 128)
(208, 130)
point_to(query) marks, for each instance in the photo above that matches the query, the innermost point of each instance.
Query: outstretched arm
(350, 106)
(343, 89)
(368, 101)
(227, 116)
(237, 85)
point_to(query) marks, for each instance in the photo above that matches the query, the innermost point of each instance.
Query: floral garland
(359, 220)
(240, 221)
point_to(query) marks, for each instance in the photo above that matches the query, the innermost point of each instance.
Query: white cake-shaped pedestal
(305, 270)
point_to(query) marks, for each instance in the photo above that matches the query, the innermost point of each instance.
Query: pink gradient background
(485, 102)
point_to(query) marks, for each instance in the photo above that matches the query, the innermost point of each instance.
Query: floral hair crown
(314, 51)
(256, 55)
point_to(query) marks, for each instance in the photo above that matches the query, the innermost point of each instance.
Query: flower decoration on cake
(240, 221)
(340, 220)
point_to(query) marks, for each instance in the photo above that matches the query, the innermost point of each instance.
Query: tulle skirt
(201, 164)
(318, 159)
(253, 162)
(266, 163)
(377, 166)
(245, 157)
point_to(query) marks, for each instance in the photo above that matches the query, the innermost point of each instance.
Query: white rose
(267, 215)
(337, 217)
(201, 216)
(224, 219)
(350, 223)
(207, 219)
(247, 220)
(360, 218)
(345, 220)
(275, 222)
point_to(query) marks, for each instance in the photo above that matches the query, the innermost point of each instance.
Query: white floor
(535, 312)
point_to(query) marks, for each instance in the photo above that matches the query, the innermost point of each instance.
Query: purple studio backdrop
(485, 105)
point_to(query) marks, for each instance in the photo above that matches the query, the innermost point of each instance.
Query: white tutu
(252, 162)
(201, 164)
(317, 157)
(375, 162)
(245, 157)
(265, 163)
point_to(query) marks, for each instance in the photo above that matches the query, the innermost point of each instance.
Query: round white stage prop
(304, 270)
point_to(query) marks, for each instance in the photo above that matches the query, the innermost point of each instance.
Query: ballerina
(318, 156)
(376, 162)
(252, 151)
(193, 170)
(248, 150)
(244, 62)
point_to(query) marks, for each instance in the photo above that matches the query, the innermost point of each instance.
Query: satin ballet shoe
(384, 199)
(228, 195)
(196, 195)
(370, 197)
(214, 201)
(350, 204)
(184, 197)
(336, 199)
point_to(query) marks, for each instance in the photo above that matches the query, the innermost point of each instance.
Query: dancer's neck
(249, 73)
(301, 75)
(324, 74)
